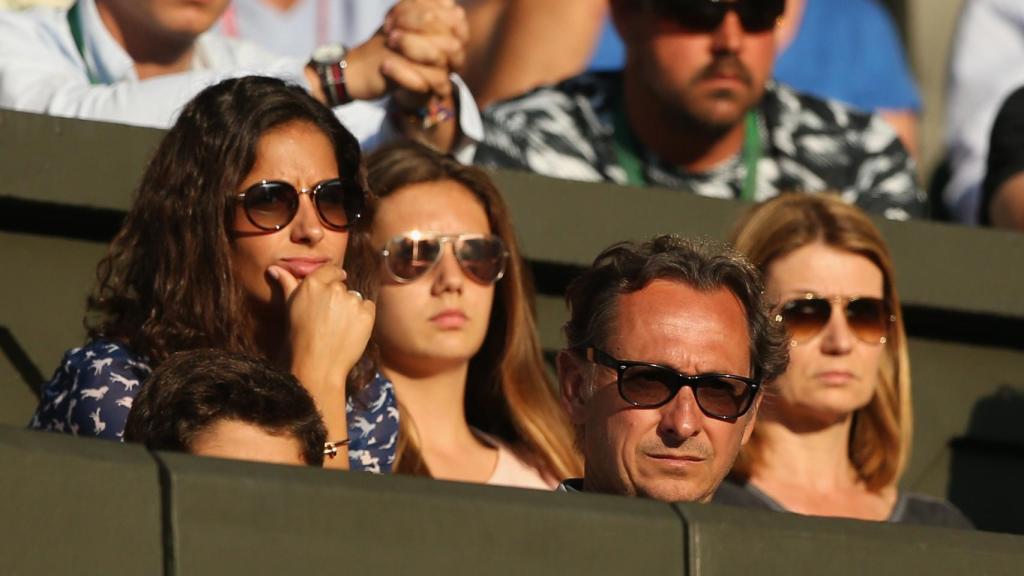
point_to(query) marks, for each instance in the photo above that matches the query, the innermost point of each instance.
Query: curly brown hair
(166, 283)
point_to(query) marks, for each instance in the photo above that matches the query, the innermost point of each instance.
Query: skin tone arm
(506, 54)
(328, 328)
(1007, 208)
(904, 123)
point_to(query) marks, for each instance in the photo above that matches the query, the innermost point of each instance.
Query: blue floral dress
(92, 391)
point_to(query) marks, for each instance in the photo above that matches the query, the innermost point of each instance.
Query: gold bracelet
(331, 448)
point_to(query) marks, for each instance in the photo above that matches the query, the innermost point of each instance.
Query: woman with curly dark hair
(236, 240)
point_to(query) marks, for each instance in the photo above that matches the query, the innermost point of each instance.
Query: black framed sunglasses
(707, 15)
(646, 385)
(272, 204)
(481, 256)
(868, 318)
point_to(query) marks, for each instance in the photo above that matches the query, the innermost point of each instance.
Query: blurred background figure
(518, 45)
(21, 4)
(695, 110)
(1002, 203)
(214, 403)
(297, 27)
(849, 50)
(139, 61)
(456, 331)
(834, 435)
(985, 67)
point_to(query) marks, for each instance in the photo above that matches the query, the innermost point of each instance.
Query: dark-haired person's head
(700, 63)
(669, 346)
(214, 403)
(254, 173)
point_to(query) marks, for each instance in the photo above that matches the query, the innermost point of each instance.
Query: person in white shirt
(984, 69)
(296, 27)
(139, 61)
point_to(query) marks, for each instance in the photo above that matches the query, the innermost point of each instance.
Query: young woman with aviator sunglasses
(236, 240)
(455, 328)
(834, 437)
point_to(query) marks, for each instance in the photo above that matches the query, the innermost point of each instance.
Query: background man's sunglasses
(481, 256)
(868, 318)
(272, 204)
(646, 385)
(707, 15)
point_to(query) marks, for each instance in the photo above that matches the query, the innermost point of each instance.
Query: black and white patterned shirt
(808, 145)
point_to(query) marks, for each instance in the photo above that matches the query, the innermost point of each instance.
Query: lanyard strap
(626, 147)
(751, 155)
(75, 22)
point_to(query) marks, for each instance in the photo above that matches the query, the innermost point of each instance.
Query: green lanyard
(75, 22)
(626, 147)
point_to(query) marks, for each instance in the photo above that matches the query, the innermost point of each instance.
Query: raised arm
(328, 328)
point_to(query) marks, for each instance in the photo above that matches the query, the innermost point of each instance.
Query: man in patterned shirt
(694, 108)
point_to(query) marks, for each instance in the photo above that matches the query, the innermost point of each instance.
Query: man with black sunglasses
(694, 108)
(669, 346)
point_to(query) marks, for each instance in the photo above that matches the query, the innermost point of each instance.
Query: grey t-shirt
(910, 508)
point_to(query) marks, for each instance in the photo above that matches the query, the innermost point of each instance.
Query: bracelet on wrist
(330, 62)
(331, 448)
(426, 117)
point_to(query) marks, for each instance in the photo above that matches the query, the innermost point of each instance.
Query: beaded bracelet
(426, 117)
(331, 448)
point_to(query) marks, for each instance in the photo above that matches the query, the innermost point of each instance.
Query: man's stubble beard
(692, 110)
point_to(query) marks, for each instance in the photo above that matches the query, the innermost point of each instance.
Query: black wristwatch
(329, 62)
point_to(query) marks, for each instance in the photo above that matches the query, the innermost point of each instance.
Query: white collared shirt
(42, 71)
(984, 69)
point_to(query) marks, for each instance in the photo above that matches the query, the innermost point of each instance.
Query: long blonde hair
(879, 443)
(508, 392)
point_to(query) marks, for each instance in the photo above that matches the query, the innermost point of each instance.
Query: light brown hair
(508, 391)
(880, 439)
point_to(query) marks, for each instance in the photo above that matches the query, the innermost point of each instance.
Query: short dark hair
(190, 391)
(705, 266)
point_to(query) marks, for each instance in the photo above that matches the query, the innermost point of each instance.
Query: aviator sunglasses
(272, 204)
(646, 385)
(868, 318)
(411, 255)
(707, 15)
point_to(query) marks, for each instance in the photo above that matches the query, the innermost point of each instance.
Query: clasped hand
(328, 328)
(411, 56)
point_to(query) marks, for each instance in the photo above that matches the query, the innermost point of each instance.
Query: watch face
(329, 54)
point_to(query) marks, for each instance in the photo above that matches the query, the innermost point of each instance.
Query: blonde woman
(834, 437)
